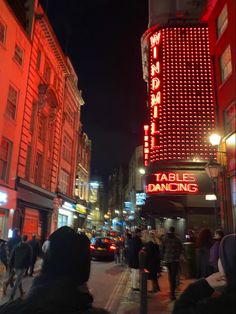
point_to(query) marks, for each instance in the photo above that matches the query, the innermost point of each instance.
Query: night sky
(102, 40)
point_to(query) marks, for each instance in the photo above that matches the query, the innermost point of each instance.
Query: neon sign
(171, 182)
(155, 87)
(146, 145)
(181, 105)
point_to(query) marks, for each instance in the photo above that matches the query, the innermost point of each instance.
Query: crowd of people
(19, 256)
(61, 286)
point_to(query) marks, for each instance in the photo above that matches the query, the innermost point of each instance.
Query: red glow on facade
(173, 183)
(181, 108)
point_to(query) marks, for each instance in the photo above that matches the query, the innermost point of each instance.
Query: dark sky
(102, 39)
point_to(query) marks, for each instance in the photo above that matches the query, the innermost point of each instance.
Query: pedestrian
(134, 247)
(4, 254)
(11, 244)
(214, 250)
(204, 242)
(216, 293)
(127, 239)
(152, 259)
(36, 252)
(172, 251)
(14, 240)
(61, 286)
(19, 262)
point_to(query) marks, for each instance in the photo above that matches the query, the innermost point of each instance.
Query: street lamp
(213, 169)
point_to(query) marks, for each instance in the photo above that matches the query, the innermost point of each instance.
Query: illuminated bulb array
(186, 113)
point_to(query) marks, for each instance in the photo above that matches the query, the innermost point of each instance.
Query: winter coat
(153, 259)
(53, 295)
(172, 248)
(198, 299)
(21, 256)
(214, 254)
(13, 242)
(134, 246)
(35, 246)
(204, 268)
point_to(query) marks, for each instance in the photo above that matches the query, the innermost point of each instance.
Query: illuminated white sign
(3, 198)
(69, 206)
(140, 198)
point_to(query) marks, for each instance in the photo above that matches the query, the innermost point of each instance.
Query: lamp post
(213, 169)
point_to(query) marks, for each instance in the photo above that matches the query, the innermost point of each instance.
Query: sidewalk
(157, 303)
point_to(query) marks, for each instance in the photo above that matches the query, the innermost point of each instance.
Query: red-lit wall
(181, 102)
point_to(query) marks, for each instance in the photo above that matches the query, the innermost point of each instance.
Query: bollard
(143, 282)
(143, 291)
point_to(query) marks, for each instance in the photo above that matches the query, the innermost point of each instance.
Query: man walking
(36, 251)
(134, 246)
(172, 250)
(19, 262)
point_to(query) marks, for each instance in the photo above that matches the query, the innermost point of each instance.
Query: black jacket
(53, 295)
(153, 259)
(198, 299)
(21, 256)
(134, 246)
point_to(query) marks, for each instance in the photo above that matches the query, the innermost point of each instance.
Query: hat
(68, 255)
(227, 256)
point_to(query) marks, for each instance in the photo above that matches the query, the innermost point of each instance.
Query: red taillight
(92, 247)
(112, 247)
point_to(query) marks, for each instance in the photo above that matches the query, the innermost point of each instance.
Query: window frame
(223, 77)
(5, 32)
(221, 25)
(16, 57)
(67, 147)
(5, 178)
(9, 102)
(64, 185)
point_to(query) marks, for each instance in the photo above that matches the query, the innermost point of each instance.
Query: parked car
(102, 247)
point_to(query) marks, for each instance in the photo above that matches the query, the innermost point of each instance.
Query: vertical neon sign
(155, 88)
(146, 145)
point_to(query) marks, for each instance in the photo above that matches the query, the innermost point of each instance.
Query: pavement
(156, 302)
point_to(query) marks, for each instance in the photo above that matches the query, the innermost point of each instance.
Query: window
(64, 182)
(12, 102)
(38, 169)
(62, 220)
(222, 21)
(47, 72)
(67, 148)
(42, 126)
(225, 64)
(18, 54)
(38, 59)
(69, 115)
(5, 158)
(2, 32)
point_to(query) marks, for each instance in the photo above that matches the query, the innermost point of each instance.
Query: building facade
(83, 177)
(48, 148)
(177, 69)
(15, 51)
(221, 18)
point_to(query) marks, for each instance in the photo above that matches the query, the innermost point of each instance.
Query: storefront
(66, 214)
(34, 210)
(7, 208)
(179, 198)
(81, 212)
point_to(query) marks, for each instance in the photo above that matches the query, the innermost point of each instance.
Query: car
(102, 247)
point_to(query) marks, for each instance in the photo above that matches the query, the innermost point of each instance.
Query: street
(107, 283)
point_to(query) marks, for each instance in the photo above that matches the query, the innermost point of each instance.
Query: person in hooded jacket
(61, 286)
(172, 251)
(216, 293)
(152, 259)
